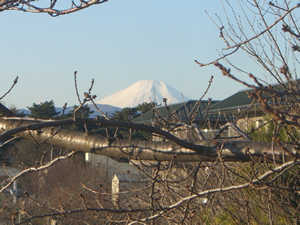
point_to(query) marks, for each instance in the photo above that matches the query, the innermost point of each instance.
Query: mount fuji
(143, 91)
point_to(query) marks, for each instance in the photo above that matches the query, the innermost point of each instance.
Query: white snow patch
(144, 91)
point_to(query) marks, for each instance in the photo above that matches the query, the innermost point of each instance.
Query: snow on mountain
(24, 112)
(144, 91)
(108, 110)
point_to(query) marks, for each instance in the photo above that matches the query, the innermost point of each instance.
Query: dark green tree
(82, 113)
(146, 106)
(128, 114)
(44, 110)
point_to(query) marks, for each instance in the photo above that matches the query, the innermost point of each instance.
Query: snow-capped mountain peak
(144, 91)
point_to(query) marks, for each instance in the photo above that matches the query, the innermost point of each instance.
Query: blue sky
(117, 43)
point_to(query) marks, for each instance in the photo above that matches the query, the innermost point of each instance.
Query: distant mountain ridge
(106, 109)
(144, 91)
(137, 93)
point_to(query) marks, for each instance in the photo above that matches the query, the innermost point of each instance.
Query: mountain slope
(106, 109)
(143, 91)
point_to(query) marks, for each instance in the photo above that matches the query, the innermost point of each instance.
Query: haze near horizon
(117, 43)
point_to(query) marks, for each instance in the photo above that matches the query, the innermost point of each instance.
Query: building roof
(181, 110)
(232, 103)
(5, 111)
(238, 102)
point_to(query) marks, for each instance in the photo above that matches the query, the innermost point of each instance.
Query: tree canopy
(43, 110)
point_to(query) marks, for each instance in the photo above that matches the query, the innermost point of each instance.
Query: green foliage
(272, 129)
(83, 113)
(145, 107)
(291, 181)
(44, 110)
(128, 114)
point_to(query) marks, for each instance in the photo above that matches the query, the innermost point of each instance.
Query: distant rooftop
(181, 110)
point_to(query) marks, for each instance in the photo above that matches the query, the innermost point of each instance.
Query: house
(238, 109)
(186, 111)
(247, 114)
(178, 118)
(5, 111)
(209, 116)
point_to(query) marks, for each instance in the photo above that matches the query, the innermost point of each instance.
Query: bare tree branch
(78, 211)
(258, 181)
(267, 29)
(10, 89)
(177, 149)
(35, 169)
(33, 6)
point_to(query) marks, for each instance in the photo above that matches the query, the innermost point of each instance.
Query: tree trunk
(174, 149)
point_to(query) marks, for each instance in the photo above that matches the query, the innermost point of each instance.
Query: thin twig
(35, 169)
(218, 59)
(76, 87)
(265, 30)
(10, 89)
(256, 181)
(31, 7)
(192, 115)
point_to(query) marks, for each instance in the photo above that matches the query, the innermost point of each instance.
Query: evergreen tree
(125, 114)
(83, 113)
(44, 110)
(128, 114)
(146, 106)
